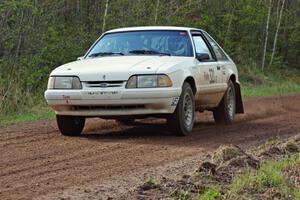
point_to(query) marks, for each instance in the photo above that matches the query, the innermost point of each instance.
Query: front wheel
(182, 121)
(225, 112)
(70, 125)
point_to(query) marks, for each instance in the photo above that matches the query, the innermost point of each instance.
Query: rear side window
(201, 46)
(217, 50)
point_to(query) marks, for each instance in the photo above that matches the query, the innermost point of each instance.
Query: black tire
(225, 112)
(126, 121)
(70, 125)
(181, 122)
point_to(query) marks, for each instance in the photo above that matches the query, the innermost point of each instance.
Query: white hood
(113, 67)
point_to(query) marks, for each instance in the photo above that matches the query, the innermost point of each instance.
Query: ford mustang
(139, 72)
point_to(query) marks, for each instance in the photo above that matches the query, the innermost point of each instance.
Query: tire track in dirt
(37, 161)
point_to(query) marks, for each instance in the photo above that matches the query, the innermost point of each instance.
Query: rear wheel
(225, 112)
(182, 121)
(70, 125)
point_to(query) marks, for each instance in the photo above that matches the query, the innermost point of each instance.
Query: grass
(270, 89)
(210, 193)
(180, 194)
(150, 181)
(270, 176)
(35, 115)
(256, 83)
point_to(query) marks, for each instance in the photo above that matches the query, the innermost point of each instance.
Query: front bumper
(108, 102)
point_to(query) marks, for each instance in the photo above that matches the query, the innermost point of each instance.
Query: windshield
(169, 43)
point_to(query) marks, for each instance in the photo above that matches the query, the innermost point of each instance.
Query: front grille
(125, 107)
(104, 84)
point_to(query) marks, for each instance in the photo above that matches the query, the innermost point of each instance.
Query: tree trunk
(229, 26)
(276, 33)
(277, 11)
(78, 6)
(198, 5)
(20, 36)
(156, 11)
(267, 34)
(104, 17)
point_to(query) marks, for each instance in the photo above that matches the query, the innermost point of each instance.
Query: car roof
(147, 28)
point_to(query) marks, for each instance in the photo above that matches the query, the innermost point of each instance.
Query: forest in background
(36, 36)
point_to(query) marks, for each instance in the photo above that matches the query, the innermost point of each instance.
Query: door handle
(218, 67)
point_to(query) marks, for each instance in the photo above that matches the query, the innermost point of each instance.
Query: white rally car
(132, 73)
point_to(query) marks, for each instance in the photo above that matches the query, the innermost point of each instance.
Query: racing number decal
(66, 99)
(206, 76)
(212, 76)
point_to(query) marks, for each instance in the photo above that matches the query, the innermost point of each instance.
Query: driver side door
(208, 77)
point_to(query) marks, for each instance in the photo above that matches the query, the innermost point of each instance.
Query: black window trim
(205, 34)
(199, 33)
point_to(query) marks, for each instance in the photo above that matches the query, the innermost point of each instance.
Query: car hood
(113, 67)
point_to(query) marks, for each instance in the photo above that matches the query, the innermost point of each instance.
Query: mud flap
(239, 101)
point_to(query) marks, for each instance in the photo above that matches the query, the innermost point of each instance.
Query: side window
(218, 51)
(201, 46)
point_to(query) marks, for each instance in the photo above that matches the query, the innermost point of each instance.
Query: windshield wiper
(105, 54)
(148, 52)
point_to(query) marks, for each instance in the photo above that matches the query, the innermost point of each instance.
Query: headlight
(58, 82)
(149, 81)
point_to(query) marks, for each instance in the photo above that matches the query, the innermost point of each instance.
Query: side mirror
(80, 58)
(202, 57)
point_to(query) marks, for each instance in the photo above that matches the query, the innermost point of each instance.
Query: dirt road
(37, 162)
